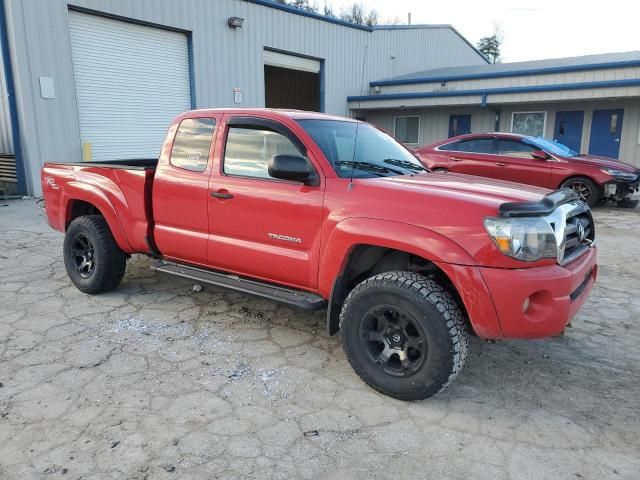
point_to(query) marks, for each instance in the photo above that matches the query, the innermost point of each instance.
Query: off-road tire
(430, 306)
(109, 261)
(579, 183)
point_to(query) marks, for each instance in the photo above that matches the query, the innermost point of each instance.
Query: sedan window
(511, 148)
(477, 145)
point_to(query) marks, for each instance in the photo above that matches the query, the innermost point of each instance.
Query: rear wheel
(585, 188)
(93, 260)
(403, 335)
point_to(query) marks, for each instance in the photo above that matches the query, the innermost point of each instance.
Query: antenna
(355, 140)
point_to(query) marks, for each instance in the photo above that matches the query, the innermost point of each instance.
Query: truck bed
(120, 190)
(131, 164)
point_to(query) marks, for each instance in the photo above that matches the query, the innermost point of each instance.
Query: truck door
(181, 190)
(261, 226)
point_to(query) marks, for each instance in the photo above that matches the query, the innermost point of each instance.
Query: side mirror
(540, 155)
(289, 167)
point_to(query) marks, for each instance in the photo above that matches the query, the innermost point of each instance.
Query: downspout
(11, 98)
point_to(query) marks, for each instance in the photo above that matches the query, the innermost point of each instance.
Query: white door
(131, 81)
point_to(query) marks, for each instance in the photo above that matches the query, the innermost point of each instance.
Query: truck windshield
(358, 149)
(552, 147)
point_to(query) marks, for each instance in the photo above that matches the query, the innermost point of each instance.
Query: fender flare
(352, 232)
(95, 196)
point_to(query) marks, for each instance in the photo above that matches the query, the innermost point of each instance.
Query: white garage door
(131, 80)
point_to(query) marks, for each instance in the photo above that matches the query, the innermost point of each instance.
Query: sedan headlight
(619, 174)
(527, 239)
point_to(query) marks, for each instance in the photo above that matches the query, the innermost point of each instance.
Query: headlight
(527, 239)
(619, 174)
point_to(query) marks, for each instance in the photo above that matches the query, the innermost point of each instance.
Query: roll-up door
(131, 80)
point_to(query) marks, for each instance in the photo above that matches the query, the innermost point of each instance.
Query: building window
(192, 144)
(529, 123)
(406, 129)
(249, 150)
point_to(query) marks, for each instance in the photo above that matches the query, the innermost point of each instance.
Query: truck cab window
(192, 144)
(249, 150)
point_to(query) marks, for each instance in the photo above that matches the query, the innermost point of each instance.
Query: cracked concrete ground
(155, 380)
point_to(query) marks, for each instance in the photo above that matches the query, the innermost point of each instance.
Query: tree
(356, 13)
(490, 46)
(304, 5)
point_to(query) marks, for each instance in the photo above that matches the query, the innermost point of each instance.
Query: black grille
(579, 234)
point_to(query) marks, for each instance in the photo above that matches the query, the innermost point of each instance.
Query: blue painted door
(459, 125)
(606, 130)
(568, 129)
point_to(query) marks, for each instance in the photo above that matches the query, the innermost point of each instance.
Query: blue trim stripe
(192, 76)
(634, 82)
(13, 108)
(510, 73)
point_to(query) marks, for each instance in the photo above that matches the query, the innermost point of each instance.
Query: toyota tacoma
(324, 212)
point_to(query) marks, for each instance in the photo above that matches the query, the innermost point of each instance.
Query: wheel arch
(361, 248)
(81, 199)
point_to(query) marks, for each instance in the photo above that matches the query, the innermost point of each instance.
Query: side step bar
(297, 298)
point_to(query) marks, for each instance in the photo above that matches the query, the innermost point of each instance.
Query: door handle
(456, 159)
(500, 164)
(222, 195)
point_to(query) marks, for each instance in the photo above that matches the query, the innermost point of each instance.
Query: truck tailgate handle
(222, 195)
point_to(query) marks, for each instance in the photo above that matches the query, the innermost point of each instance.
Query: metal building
(101, 79)
(590, 103)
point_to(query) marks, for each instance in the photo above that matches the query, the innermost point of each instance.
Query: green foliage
(490, 47)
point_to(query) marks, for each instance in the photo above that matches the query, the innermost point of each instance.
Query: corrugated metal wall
(6, 139)
(223, 59)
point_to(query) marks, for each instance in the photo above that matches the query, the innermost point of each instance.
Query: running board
(297, 298)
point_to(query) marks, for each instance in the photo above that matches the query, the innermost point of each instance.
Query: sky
(532, 30)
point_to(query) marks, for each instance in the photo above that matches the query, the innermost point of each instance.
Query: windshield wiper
(371, 167)
(405, 164)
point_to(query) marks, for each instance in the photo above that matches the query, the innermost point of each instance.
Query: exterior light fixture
(235, 22)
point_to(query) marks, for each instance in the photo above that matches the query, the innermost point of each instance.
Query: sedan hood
(603, 162)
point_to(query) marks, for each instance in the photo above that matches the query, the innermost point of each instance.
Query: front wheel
(585, 188)
(93, 260)
(404, 335)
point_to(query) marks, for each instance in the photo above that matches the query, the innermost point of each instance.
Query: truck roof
(294, 114)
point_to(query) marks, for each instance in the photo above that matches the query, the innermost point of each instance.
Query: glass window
(192, 144)
(529, 123)
(511, 148)
(453, 146)
(360, 150)
(249, 150)
(407, 129)
(552, 147)
(477, 145)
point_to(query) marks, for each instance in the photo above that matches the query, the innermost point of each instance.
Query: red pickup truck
(328, 212)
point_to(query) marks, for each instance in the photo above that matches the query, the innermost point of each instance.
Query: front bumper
(540, 302)
(619, 189)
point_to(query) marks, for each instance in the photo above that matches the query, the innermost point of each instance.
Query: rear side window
(192, 144)
(453, 146)
(514, 149)
(478, 145)
(249, 150)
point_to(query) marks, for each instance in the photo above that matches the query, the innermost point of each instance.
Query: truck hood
(602, 162)
(469, 188)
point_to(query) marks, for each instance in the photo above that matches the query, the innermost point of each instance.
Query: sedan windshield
(360, 150)
(549, 146)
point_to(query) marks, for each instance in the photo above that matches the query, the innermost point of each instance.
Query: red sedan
(534, 161)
